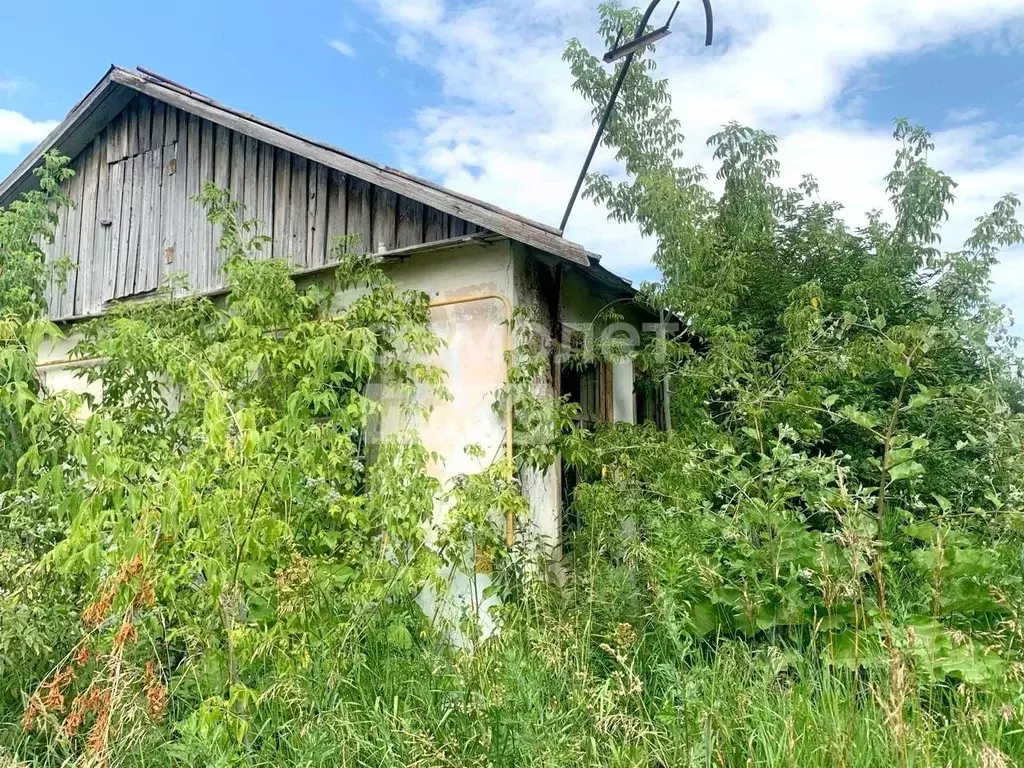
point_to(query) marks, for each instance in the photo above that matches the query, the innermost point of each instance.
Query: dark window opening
(590, 387)
(649, 400)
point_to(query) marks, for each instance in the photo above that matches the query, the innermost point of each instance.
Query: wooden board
(236, 184)
(159, 125)
(385, 219)
(190, 256)
(435, 227)
(87, 266)
(115, 211)
(360, 214)
(72, 236)
(282, 203)
(176, 238)
(410, 223)
(265, 193)
(456, 227)
(145, 124)
(316, 237)
(170, 125)
(130, 263)
(133, 128)
(56, 287)
(222, 178)
(337, 209)
(149, 249)
(169, 188)
(125, 216)
(205, 244)
(101, 235)
(117, 139)
(298, 225)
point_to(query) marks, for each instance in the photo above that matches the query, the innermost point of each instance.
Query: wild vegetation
(821, 564)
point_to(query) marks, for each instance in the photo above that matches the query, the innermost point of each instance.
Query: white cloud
(413, 13)
(10, 83)
(964, 114)
(18, 132)
(510, 129)
(342, 47)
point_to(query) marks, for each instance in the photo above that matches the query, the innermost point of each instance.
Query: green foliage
(844, 480)
(220, 562)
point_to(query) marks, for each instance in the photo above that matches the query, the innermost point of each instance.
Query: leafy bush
(821, 564)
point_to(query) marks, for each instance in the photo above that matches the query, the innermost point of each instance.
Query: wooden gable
(135, 220)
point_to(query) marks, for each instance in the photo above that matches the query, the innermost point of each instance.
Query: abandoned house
(142, 145)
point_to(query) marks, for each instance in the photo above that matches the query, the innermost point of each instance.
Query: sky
(474, 93)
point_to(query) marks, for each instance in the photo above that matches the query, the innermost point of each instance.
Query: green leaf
(905, 471)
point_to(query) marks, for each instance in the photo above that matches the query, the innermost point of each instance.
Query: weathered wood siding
(134, 219)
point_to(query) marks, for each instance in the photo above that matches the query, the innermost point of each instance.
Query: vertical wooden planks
(177, 171)
(155, 171)
(456, 226)
(385, 219)
(101, 233)
(189, 237)
(337, 209)
(171, 120)
(87, 258)
(55, 286)
(206, 247)
(249, 186)
(222, 157)
(121, 264)
(47, 248)
(117, 140)
(159, 125)
(299, 205)
(115, 210)
(435, 225)
(169, 204)
(132, 113)
(236, 181)
(129, 261)
(266, 184)
(409, 230)
(282, 203)
(222, 178)
(145, 124)
(316, 237)
(72, 235)
(360, 214)
(149, 250)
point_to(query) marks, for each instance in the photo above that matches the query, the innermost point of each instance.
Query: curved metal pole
(615, 95)
(607, 113)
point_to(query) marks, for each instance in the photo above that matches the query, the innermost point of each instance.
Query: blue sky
(473, 93)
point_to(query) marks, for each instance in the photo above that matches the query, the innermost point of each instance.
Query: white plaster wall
(473, 352)
(58, 376)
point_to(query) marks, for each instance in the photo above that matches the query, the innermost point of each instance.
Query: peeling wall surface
(473, 353)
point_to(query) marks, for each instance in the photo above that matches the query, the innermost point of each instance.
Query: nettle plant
(847, 463)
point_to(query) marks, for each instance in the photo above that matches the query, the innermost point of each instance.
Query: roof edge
(118, 85)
